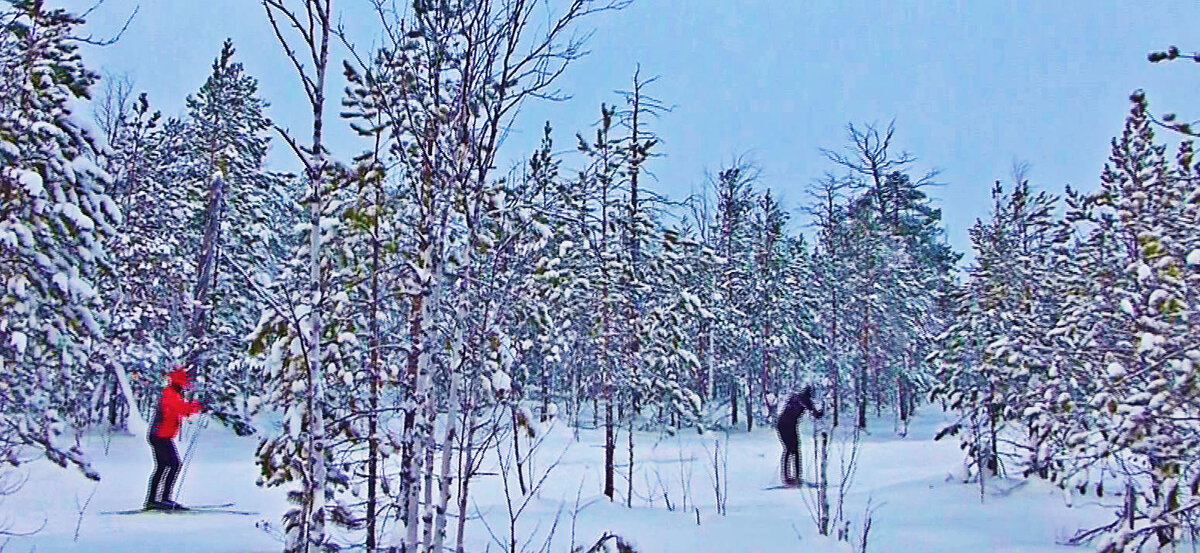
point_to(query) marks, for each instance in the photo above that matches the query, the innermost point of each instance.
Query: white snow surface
(919, 505)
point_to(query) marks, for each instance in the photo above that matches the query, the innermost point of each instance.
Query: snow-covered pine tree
(574, 269)
(804, 354)
(734, 191)
(370, 243)
(54, 220)
(698, 229)
(901, 267)
(775, 315)
(1147, 393)
(997, 355)
(356, 239)
(153, 254)
(657, 359)
(228, 138)
(281, 346)
(830, 269)
(674, 314)
(696, 232)
(917, 295)
(1029, 290)
(870, 268)
(602, 179)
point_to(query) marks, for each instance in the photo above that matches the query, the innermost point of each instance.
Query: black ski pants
(166, 468)
(790, 464)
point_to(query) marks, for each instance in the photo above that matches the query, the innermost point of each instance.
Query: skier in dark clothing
(797, 404)
(171, 410)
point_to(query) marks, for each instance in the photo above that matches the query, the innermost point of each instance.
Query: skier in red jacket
(171, 410)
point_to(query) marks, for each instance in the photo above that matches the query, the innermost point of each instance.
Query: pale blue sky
(972, 85)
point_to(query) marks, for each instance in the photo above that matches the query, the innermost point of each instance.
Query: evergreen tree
(1148, 391)
(153, 253)
(54, 220)
(996, 358)
(228, 138)
(734, 204)
(1073, 346)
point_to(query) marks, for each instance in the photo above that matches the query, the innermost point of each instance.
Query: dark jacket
(795, 408)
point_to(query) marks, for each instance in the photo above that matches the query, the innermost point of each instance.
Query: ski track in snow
(918, 507)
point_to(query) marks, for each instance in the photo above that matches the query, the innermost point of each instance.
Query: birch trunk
(373, 416)
(314, 527)
(466, 465)
(422, 399)
(438, 512)
(316, 408)
(134, 423)
(310, 535)
(439, 531)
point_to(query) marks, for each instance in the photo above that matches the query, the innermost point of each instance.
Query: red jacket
(171, 410)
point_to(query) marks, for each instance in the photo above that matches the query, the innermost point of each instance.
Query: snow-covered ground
(910, 482)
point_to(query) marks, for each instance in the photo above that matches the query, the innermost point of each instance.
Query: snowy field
(910, 482)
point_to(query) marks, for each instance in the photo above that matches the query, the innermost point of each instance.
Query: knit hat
(179, 376)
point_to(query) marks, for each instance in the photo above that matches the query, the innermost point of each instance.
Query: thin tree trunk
(425, 418)
(733, 395)
(466, 465)
(545, 392)
(317, 374)
(373, 400)
(632, 362)
(862, 398)
(766, 369)
(993, 460)
(314, 531)
(429, 475)
(439, 531)
(610, 437)
(517, 452)
(416, 325)
(610, 444)
(749, 399)
(703, 370)
(205, 271)
(822, 461)
(574, 402)
(834, 377)
(629, 492)
(864, 369)
(423, 415)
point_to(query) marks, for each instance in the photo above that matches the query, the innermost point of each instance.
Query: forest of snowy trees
(1073, 353)
(400, 313)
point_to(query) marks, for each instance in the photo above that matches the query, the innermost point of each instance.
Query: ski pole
(187, 456)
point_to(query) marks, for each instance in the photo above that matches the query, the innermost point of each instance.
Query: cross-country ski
(192, 510)
(189, 507)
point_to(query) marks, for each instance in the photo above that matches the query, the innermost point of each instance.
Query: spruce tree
(54, 221)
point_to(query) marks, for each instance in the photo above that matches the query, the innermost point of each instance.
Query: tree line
(400, 311)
